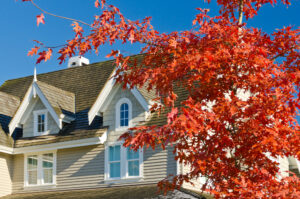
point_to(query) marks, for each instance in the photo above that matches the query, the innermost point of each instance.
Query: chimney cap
(78, 61)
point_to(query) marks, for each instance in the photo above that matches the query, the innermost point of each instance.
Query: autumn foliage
(242, 94)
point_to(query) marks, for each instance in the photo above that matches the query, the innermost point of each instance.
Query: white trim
(140, 98)
(40, 169)
(5, 149)
(101, 98)
(35, 122)
(21, 110)
(117, 118)
(55, 146)
(123, 165)
(32, 92)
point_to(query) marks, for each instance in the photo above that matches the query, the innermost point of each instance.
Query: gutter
(55, 146)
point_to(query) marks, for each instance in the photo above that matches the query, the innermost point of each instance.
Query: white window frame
(40, 178)
(35, 123)
(117, 108)
(124, 164)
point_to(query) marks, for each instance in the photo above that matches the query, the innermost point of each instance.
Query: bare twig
(67, 18)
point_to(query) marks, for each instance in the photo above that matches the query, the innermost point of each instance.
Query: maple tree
(241, 88)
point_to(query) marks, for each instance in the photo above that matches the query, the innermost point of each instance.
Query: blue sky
(18, 26)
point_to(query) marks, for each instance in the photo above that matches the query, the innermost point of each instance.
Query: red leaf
(40, 19)
(172, 115)
(97, 4)
(33, 51)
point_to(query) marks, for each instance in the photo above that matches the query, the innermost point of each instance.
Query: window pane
(115, 170)
(114, 153)
(133, 168)
(131, 154)
(48, 156)
(32, 177)
(32, 162)
(126, 122)
(122, 123)
(48, 176)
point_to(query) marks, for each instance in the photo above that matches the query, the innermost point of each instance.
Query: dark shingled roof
(123, 192)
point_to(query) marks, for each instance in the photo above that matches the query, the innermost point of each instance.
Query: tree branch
(67, 18)
(241, 7)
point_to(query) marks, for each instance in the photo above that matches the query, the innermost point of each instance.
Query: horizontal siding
(5, 174)
(18, 173)
(83, 167)
(197, 183)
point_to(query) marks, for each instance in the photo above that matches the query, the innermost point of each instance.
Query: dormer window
(40, 122)
(123, 114)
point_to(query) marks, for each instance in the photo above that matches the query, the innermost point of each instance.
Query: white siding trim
(140, 99)
(55, 146)
(101, 98)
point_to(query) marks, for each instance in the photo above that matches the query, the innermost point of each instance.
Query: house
(59, 131)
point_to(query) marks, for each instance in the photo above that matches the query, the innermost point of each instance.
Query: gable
(26, 105)
(107, 93)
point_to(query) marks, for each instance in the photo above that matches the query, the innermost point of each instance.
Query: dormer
(113, 91)
(43, 110)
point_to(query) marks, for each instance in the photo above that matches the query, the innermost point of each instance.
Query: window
(115, 161)
(40, 169)
(133, 163)
(40, 122)
(32, 169)
(122, 163)
(123, 114)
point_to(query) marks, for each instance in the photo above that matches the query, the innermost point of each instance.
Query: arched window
(123, 114)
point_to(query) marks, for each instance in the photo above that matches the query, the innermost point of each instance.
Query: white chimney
(78, 61)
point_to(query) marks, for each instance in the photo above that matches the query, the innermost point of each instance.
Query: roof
(124, 192)
(85, 82)
(70, 91)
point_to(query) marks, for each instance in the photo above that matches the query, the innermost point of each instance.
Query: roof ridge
(72, 68)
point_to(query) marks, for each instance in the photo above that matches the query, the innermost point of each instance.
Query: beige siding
(284, 166)
(28, 128)
(5, 174)
(18, 173)
(197, 183)
(83, 167)
(109, 116)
